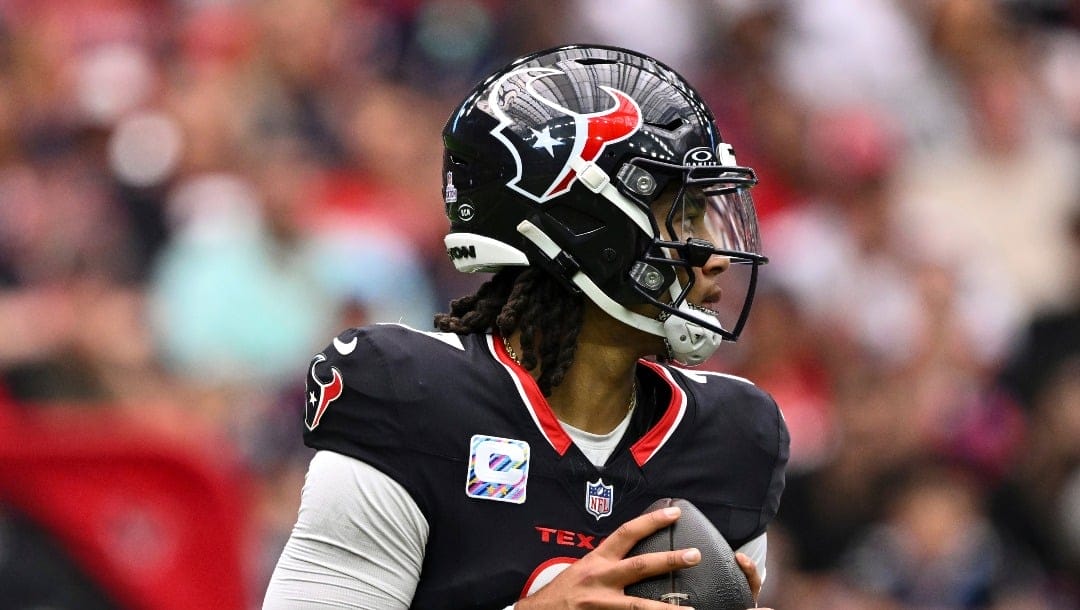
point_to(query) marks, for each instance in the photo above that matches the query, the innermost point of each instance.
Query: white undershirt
(598, 447)
(359, 537)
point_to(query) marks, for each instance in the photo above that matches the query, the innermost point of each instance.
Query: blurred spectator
(826, 508)
(1001, 190)
(781, 351)
(936, 548)
(1052, 338)
(843, 53)
(223, 265)
(1040, 502)
(243, 247)
(677, 34)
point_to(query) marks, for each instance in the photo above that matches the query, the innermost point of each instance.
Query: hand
(597, 580)
(752, 576)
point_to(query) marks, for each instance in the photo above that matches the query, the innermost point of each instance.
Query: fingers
(750, 569)
(640, 567)
(623, 539)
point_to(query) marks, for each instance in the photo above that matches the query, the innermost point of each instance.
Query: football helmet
(562, 160)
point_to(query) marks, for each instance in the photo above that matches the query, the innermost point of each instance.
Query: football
(717, 583)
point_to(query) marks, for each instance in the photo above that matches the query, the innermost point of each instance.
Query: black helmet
(554, 161)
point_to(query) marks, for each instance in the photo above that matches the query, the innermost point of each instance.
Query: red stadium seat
(156, 523)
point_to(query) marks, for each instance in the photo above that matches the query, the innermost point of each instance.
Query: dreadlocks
(531, 301)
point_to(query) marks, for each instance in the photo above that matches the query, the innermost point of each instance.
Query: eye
(693, 213)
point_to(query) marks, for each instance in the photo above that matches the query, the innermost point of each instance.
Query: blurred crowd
(195, 195)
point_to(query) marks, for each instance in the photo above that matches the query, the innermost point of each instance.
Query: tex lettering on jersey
(498, 469)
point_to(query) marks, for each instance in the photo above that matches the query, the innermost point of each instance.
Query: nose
(715, 265)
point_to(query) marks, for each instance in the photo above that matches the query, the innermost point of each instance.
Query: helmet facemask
(706, 211)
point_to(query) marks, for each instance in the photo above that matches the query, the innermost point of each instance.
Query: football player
(506, 459)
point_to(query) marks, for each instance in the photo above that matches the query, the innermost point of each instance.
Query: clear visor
(710, 220)
(722, 215)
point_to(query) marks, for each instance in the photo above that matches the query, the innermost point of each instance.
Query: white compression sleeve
(358, 541)
(757, 549)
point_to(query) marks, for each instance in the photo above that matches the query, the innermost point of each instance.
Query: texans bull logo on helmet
(558, 133)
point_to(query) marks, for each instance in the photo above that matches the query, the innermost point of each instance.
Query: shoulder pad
(384, 363)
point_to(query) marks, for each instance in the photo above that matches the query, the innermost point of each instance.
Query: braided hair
(529, 300)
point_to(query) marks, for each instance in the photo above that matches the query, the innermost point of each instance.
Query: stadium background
(196, 195)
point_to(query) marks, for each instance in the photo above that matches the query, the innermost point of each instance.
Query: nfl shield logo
(599, 498)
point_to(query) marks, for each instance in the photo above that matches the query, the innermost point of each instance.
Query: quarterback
(505, 458)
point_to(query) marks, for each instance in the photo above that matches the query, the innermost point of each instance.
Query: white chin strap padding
(689, 343)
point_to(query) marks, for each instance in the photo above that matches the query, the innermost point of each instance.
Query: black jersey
(510, 500)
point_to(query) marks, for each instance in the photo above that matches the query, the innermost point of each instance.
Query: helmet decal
(591, 132)
(702, 156)
(450, 194)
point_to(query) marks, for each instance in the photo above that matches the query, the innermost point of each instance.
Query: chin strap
(687, 342)
(551, 250)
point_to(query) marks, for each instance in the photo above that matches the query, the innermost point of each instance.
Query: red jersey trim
(532, 397)
(545, 571)
(645, 448)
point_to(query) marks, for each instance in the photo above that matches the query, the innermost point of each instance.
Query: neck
(597, 391)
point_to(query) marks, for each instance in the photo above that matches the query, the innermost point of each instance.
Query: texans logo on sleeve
(321, 394)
